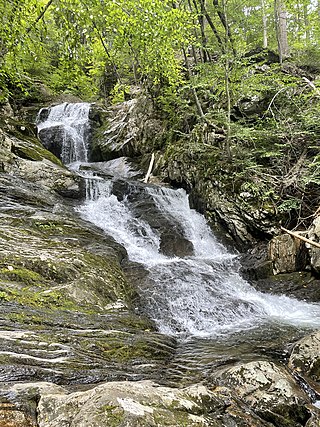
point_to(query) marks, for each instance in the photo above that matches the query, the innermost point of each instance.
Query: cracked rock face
(305, 356)
(270, 391)
(131, 404)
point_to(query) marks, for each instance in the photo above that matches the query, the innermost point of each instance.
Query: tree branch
(46, 7)
(298, 236)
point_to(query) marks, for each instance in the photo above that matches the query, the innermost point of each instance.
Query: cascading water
(201, 294)
(73, 120)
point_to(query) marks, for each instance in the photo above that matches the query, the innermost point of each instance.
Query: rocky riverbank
(75, 350)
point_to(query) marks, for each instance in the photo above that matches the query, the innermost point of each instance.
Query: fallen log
(298, 236)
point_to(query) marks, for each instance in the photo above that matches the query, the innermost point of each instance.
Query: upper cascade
(65, 129)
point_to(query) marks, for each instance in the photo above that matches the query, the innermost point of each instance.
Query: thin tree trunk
(46, 7)
(212, 26)
(306, 23)
(203, 51)
(264, 24)
(227, 85)
(223, 19)
(194, 54)
(203, 35)
(281, 29)
(198, 104)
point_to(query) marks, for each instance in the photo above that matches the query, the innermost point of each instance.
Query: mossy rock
(33, 150)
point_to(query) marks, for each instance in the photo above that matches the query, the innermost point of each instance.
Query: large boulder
(52, 139)
(287, 254)
(128, 404)
(30, 161)
(131, 128)
(270, 391)
(305, 356)
(118, 404)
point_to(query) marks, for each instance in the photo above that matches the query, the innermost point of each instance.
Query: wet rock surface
(172, 239)
(67, 309)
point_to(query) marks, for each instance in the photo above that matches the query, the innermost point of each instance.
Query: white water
(74, 120)
(201, 295)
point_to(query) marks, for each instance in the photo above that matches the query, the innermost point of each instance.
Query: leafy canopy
(71, 44)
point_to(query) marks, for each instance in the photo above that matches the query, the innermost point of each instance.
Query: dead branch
(146, 179)
(298, 236)
(312, 85)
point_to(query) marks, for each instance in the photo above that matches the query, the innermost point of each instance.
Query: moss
(31, 149)
(49, 226)
(30, 297)
(113, 415)
(125, 347)
(20, 274)
(25, 318)
(180, 418)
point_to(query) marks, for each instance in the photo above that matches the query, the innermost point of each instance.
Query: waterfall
(70, 122)
(73, 121)
(199, 294)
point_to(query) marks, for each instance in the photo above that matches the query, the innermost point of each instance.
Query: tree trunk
(306, 23)
(223, 19)
(203, 51)
(198, 104)
(281, 29)
(46, 7)
(264, 24)
(212, 26)
(227, 85)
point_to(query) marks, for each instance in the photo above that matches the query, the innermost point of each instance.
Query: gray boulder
(270, 391)
(287, 254)
(305, 356)
(126, 404)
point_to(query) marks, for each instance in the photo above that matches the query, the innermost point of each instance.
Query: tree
(281, 29)
(264, 24)
(73, 42)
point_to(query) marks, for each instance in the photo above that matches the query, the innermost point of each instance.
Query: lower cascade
(197, 294)
(201, 294)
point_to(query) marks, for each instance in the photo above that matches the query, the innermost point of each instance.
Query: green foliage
(290, 204)
(68, 44)
(119, 92)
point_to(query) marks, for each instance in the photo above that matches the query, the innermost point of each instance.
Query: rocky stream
(120, 307)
